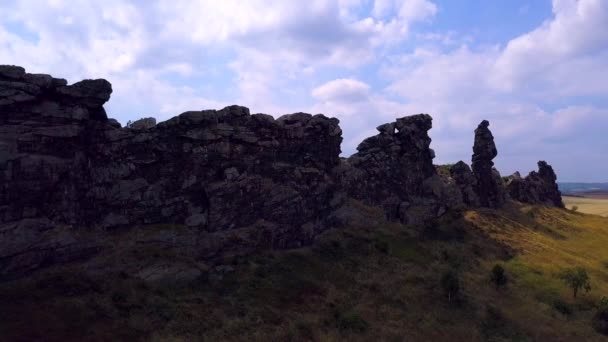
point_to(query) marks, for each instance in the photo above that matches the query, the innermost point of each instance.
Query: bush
(575, 208)
(600, 318)
(351, 321)
(577, 279)
(450, 285)
(382, 246)
(562, 307)
(498, 276)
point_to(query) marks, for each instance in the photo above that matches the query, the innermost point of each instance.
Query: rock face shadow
(238, 181)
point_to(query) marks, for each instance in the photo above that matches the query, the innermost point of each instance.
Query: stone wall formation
(235, 180)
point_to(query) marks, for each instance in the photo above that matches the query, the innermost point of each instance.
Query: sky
(536, 69)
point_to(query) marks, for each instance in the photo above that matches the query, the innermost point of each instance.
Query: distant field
(597, 205)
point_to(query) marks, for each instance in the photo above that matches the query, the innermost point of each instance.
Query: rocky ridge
(233, 181)
(537, 187)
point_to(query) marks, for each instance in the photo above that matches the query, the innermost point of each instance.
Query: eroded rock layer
(224, 182)
(488, 186)
(537, 188)
(395, 169)
(239, 180)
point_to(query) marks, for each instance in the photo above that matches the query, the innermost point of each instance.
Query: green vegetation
(600, 319)
(577, 279)
(371, 281)
(498, 276)
(450, 285)
(444, 169)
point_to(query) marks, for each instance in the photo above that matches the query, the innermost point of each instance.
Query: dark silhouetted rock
(238, 181)
(143, 123)
(537, 188)
(395, 170)
(231, 181)
(489, 186)
(466, 182)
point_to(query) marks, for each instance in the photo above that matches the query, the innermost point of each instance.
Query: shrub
(600, 318)
(498, 276)
(450, 285)
(575, 208)
(351, 321)
(577, 279)
(382, 246)
(562, 307)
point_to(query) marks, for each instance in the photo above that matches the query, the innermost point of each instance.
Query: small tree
(575, 208)
(498, 276)
(450, 284)
(576, 278)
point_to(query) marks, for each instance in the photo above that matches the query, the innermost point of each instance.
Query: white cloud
(168, 56)
(269, 45)
(574, 43)
(342, 90)
(524, 88)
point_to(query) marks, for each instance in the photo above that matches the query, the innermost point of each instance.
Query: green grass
(377, 281)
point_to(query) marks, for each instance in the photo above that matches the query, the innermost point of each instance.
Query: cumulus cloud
(342, 90)
(267, 45)
(570, 50)
(531, 90)
(543, 91)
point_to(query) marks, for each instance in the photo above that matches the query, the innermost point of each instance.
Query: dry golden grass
(546, 241)
(588, 205)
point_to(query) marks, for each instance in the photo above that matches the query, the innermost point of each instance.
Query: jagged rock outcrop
(395, 170)
(465, 181)
(143, 123)
(537, 188)
(489, 186)
(225, 180)
(239, 181)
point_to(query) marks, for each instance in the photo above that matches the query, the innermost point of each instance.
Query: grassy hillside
(589, 205)
(370, 281)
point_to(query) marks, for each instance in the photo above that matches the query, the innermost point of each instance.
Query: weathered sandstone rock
(489, 186)
(537, 188)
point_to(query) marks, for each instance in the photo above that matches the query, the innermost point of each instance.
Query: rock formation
(239, 180)
(230, 181)
(538, 187)
(394, 169)
(465, 181)
(489, 186)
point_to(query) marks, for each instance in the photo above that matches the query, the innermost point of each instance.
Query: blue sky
(536, 69)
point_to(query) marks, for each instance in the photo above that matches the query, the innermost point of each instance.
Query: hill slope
(370, 281)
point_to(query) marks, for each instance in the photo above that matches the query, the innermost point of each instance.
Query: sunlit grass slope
(369, 281)
(546, 241)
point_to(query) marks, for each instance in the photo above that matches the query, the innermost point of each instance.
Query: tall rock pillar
(489, 187)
